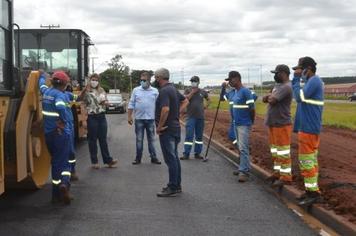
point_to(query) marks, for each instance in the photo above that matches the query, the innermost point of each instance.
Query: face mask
(304, 75)
(228, 89)
(195, 84)
(155, 84)
(94, 83)
(277, 78)
(144, 84)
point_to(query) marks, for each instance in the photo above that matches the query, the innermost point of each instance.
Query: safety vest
(54, 105)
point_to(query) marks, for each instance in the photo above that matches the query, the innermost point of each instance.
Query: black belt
(96, 114)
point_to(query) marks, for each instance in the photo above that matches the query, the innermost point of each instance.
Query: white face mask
(195, 84)
(94, 83)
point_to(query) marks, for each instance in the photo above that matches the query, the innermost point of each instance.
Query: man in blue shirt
(143, 103)
(308, 124)
(243, 116)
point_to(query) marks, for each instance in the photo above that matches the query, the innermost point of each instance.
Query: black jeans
(98, 129)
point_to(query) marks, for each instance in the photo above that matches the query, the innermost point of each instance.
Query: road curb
(329, 218)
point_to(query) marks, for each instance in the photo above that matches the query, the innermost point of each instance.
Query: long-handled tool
(212, 129)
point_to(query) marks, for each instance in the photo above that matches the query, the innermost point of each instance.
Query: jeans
(98, 129)
(243, 135)
(140, 127)
(169, 145)
(193, 126)
(59, 147)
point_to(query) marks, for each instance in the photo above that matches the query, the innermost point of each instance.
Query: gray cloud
(209, 38)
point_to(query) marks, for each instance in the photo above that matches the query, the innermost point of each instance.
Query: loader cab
(6, 57)
(55, 49)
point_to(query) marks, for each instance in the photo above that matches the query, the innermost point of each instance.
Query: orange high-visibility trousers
(280, 139)
(308, 159)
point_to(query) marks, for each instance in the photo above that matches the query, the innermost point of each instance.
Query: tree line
(119, 76)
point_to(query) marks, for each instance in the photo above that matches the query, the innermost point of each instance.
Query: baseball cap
(304, 62)
(308, 62)
(61, 76)
(233, 74)
(195, 79)
(281, 68)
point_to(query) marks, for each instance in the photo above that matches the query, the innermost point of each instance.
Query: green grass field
(341, 115)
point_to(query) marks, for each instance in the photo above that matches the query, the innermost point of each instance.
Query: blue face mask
(304, 75)
(144, 84)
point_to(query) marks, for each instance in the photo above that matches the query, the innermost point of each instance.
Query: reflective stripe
(43, 86)
(199, 142)
(310, 101)
(72, 161)
(75, 97)
(252, 92)
(308, 185)
(276, 167)
(60, 103)
(225, 98)
(284, 152)
(240, 106)
(56, 181)
(65, 173)
(286, 170)
(47, 113)
(250, 101)
(235, 141)
(188, 143)
(231, 103)
(274, 150)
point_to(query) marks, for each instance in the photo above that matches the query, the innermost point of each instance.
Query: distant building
(340, 89)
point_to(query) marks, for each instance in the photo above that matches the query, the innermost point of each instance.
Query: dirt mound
(337, 160)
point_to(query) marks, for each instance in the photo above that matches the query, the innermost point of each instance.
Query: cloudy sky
(208, 38)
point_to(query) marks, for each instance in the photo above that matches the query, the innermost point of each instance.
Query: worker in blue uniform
(57, 133)
(72, 160)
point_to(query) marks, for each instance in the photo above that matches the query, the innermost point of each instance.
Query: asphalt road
(123, 201)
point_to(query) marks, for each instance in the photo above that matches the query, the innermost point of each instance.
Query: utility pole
(182, 73)
(261, 80)
(92, 64)
(50, 26)
(248, 75)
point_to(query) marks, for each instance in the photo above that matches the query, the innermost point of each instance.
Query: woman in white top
(95, 100)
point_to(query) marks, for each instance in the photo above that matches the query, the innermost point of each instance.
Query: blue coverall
(57, 134)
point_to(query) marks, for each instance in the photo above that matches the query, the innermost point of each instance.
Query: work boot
(311, 198)
(113, 163)
(74, 176)
(302, 197)
(167, 192)
(277, 184)
(197, 156)
(243, 177)
(66, 198)
(136, 162)
(184, 157)
(155, 161)
(271, 179)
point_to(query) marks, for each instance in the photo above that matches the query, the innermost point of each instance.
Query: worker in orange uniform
(308, 124)
(278, 119)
